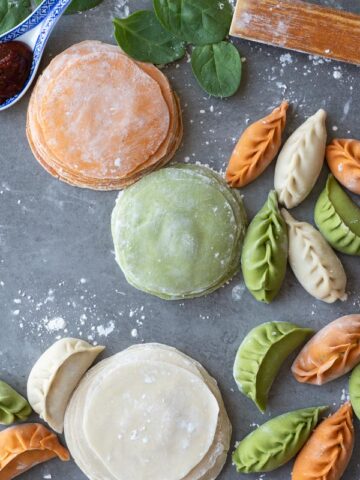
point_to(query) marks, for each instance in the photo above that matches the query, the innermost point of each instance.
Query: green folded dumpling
(354, 390)
(265, 252)
(338, 218)
(178, 232)
(261, 354)
(276, 442)
(13, 406)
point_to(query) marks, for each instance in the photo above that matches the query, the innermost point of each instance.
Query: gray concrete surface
(56, 258)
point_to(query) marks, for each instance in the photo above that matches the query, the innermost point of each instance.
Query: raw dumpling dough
(161, 435)
(300, 161)
(55, 375)
(187, 241)
(25, 446)
(314, 263)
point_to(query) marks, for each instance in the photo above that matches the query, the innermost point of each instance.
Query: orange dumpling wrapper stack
(343, 157)
(328, 451)
(331, 353)
(25, 446)
(257, 148)
(98, 119)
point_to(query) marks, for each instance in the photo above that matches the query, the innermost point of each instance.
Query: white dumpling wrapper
(314, 263)
(55, 376)
(96, 469)
(300, 161)
(167, 424)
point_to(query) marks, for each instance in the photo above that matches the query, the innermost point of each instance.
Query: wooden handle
(299, 26)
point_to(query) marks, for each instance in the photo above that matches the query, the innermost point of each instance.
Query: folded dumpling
(327, 453)
(55, 376)
(300, 161)
(265, 252)
(331, 353)
(343, 157)
(13, 406)
(314, 263)
(338, 218)
(276, 442)
(25, 446)
(256, 148)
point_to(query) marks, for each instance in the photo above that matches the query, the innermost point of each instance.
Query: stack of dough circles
(98, 119)
(178, 233)
(148, 412)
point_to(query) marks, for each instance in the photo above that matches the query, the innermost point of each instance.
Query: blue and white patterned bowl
(35, 32)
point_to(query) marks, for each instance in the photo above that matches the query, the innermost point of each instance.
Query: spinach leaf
(12, 13)
(142, 37)
(217, 68)
(77, 6)
(196, 21)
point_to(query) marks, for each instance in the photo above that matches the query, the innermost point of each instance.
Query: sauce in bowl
(15, 65)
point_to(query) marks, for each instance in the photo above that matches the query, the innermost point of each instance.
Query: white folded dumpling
(314, 263)
(300, 161)
(55, 376)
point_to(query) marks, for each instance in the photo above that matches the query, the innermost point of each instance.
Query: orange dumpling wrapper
(331, 353)
(343, 157)
(257, 148)
(328, 451)
(24, 446)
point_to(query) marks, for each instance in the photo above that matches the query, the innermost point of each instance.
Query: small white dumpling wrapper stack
(314, 263)
(55, 376)
(148, 412)
(300, 161)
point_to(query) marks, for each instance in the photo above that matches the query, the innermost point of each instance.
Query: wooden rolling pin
(299, 26)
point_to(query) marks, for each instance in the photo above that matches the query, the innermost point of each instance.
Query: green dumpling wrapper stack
(178, 232)
(265, 252)
(338, 218)
(13, 406)
(276, 442)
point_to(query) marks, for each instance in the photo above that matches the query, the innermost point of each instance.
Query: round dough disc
(186, 242)
(94, 466)
(159, 434)
(108, 125)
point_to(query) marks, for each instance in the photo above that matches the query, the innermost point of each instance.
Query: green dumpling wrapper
(338, 218)
(276, 442)
(265, 252)
(261, 354)
(178, 232)
(13, 406)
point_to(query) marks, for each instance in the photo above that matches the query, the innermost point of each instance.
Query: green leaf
(77, 6)
(142, 37)
(12, 13)
(196, 21)
(217, 68)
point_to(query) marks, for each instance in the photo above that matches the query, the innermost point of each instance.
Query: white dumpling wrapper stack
(314, 263)
(300, 161)
(55, 376)
(148, 412)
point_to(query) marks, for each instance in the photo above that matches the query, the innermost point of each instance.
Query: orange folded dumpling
(256, 148)
(331, 353)
(343, 157)
(328, 451)
(24, 446)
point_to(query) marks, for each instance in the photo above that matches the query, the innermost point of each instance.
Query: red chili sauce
(15, 64)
